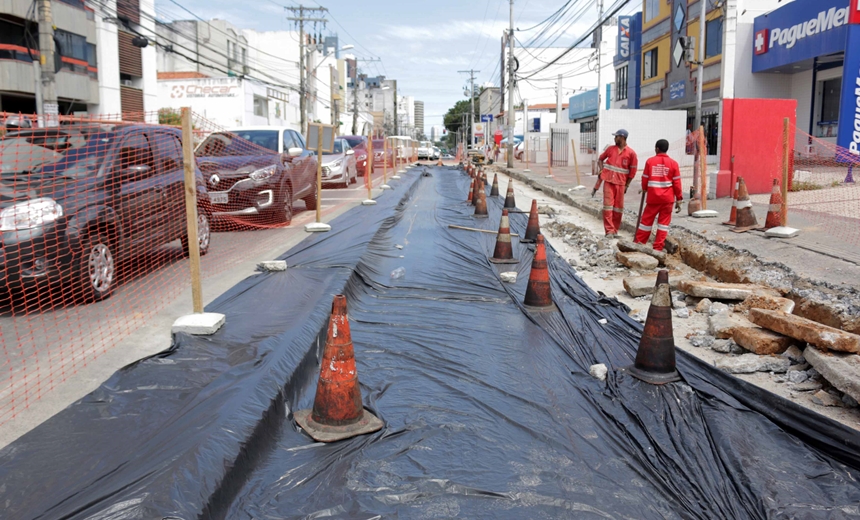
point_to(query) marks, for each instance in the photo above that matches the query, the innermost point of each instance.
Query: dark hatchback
(257, 174)
(117, 196)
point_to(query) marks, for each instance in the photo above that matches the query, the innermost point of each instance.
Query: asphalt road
(52, 352)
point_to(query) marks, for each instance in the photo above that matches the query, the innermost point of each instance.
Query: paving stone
(722, 325)
(637, 260)
(750, 363)
(644, 285)
(761, 341)
(723, 291)
(630, 247)
(840, 370)
(200, 324)
(806, 330)
(822, 398)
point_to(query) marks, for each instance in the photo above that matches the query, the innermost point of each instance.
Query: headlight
(30, 214)
(362, 157)
(263, 174)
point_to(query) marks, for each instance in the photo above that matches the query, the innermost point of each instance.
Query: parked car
(379, 150)
(258, 171)
(73, 220)
(437, 153)
(338, 166)
(359, 144)
(447, 156)
(425, 150)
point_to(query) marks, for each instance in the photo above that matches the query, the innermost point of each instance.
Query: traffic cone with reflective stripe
(484, 179)
(504, 251)
(510, 203)
(734, 214)
(476, 190)
(337, 413)
(494, 191)
(746, 216)
(471, 192)
(533, 227)
(538, 292)
(480, 200)
(774, 217)
(655, 358)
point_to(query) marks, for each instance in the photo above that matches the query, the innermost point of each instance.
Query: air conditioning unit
(127, 83)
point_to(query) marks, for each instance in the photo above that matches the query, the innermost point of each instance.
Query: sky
(421, 45)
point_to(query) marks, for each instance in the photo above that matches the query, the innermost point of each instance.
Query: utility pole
(599, 67)
(396, 121)
(700, 72)
(510, 112)
(48, 110)
(471, 73)
(355, 85)
(300, 13)
(558, 103)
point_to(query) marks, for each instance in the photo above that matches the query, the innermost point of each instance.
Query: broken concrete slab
(840, 370)
(272, 265)
(637, 286)
(823, 398)
(772, 303)
(781, 232)
(637, 260)
(761, 341)
(723, 324)
(806, 330)
(630, 247)
(723, 291)
(750, 363)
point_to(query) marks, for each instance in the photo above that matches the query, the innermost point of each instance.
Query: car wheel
(284, 211)
(204, 234)
(96, 268)
(311, 201)
(354, 178)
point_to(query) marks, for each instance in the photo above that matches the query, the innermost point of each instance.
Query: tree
(454, 117)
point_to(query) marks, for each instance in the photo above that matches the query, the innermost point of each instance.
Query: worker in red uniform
(617, 167)
(661, 181)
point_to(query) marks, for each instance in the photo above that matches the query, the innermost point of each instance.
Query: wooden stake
(319, 172)
(188, 163)
(575, 162)
(783, 211)
(464, 228)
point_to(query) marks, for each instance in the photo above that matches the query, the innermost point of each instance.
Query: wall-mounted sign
(624, 37)
(320, 137)
(678, 90)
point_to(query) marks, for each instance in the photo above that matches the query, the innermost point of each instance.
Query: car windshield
(338, 148)
(239, 143)
(82, 162)
(354, 141)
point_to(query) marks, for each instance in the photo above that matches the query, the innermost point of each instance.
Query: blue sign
(534, 124)
(624, 39)
(487, 118)
(848, 134)
(799, 31)
(678, 90)
(583, 105)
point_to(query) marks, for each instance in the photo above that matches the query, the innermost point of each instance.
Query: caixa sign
(800, 31)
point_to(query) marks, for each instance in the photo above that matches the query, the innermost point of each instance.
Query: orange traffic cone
(746, 216)
(480, 201)
(337, 413)
(774, 211)
(734, 213)
(510, 203)
(494, 191)
(475, 191)
(538, 293)
(471, 192)
(655, 358)
(533, 227)
(504, 252)
(484, 179)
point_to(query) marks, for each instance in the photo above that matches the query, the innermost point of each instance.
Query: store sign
(799, 31)
(678, 90)
(848, 135)
(486, 118)
(583, 105)
(854, 12)
(624, 37)
(197, 91)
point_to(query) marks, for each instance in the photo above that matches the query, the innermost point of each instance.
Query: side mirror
(295, 152)
(350, 152)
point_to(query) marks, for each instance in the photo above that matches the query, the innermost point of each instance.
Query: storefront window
(830, 92)
(713, 38)
(621, 84)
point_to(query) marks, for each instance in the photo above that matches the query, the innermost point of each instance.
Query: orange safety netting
(93, 230)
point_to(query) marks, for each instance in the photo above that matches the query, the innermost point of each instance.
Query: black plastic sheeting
(489, 409)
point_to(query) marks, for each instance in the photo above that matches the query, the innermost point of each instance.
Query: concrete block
(750, 363)
(761, 341)
(630, 247)
(509, 277)
(840, 370)
(637, 286)
(806, 330)
(723, 291)
(273, 265)
(202, 324)
(781, 232)
(368, 202)
(317, 227)
(705, 213)
(723, 324)
(773, 303)
(637, 260)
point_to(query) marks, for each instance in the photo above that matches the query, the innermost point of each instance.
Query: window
(713, 38)
(299, 140)
(621, 83)
(136, 151)
(261, 106)
(652, 9)
(588, 136)
(830, 92)
(649, 64)
(289, 141)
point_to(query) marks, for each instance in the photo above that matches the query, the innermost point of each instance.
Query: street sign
(487, 118)
(327, 137)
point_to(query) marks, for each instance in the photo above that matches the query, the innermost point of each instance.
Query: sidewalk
(814, 254)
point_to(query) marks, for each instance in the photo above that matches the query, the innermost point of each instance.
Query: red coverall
(619, 168)
(661, 180)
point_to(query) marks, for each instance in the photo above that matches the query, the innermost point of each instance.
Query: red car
(378, 150)
(359, 144)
